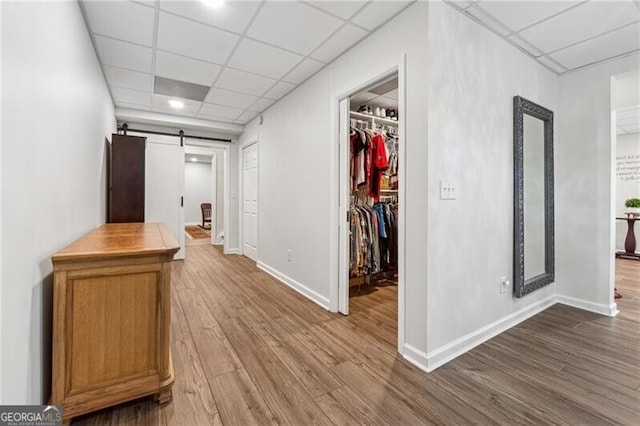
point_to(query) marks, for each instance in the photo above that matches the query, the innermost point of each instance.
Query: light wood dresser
(111, 318)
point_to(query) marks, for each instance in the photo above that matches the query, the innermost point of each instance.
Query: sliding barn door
(165, 187)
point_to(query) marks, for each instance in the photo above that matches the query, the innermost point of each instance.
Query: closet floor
(248, 350)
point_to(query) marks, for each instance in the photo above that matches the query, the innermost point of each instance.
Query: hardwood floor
(249, 351)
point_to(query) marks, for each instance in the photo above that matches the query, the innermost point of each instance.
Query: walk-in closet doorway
(372, 202)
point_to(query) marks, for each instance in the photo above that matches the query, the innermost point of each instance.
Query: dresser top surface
(120, 240)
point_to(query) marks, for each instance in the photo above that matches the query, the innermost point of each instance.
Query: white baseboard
(598, 308)
(300, 288)
(233, 251)
(415, 356)
(452, 350)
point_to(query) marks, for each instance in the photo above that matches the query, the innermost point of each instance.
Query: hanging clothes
(373, 239)
(369, 158)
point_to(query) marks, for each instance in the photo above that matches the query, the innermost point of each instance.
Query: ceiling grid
(251, 53)
(264, 49)
(563, 36)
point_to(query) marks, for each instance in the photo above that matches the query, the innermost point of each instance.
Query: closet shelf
(374, 118)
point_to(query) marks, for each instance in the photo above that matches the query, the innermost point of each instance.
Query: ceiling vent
(180, 89)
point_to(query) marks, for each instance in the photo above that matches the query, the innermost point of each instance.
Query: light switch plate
(448, 191)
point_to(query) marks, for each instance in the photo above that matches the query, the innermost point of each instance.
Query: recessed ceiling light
(176, 104)
(194, 159)
(213, 3)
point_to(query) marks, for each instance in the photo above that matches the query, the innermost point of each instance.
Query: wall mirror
(533, 254)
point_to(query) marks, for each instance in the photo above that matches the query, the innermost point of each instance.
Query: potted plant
(633, 206)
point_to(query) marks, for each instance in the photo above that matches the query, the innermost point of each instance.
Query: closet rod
(125, 128)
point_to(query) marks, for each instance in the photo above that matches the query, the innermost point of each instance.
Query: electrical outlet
(289, 255)
(448, 191)
(504, 284)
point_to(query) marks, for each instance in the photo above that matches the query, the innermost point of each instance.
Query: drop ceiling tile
(212, 118)
(261, 104)
(343, 9)
(128, 79)
(362, 98)
(260, 58)
(604, 47)
(219, 111)
(489, 20)
(233, 16)
(520, 14)
(171, 111)
(383, 102)
(346, 37)
(161, 104)
(559, 68)
(580, 23)
(465, 3)
(132, 106)
(161, 101)
(392, 94)
(279, 90)
(123, 55)
(293, 26)
(306, 69)
(131, 96)
(533, 50)
(378, 12)
(244, 82)
(232, 99)
(199, 41)
(122, 20)
(186, 69)
(245, 117)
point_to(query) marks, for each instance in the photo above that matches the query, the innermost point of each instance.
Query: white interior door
(344, 227)
(164, 188)
(250, 202)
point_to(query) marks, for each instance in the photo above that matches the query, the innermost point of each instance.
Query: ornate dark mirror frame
(521, 286)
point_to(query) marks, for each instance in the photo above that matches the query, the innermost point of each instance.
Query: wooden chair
(206, 215)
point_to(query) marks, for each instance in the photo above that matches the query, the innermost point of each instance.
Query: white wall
(472, 77)
(627, 183)
(461, 80)
(584, 177)
(56, 113)
(298, 185)
(198, 190)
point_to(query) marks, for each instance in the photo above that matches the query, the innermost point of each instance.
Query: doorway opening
(625, 137)
(199, 197)
(371, 200)
(205, 199)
